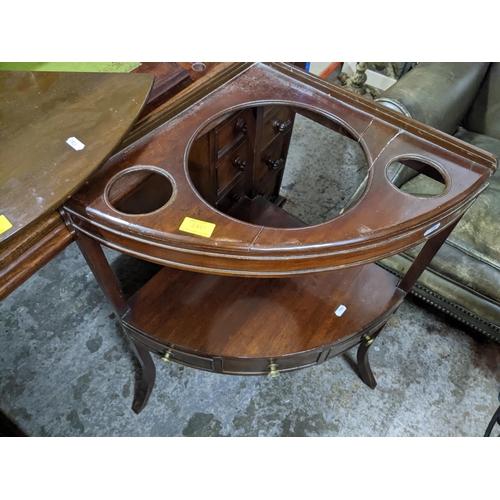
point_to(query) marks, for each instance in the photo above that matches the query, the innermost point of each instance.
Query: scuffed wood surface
(39, 112)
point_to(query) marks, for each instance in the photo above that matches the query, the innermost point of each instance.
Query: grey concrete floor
(66, 367)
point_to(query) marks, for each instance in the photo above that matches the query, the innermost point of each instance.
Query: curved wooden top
(39, 112)
(383, 222)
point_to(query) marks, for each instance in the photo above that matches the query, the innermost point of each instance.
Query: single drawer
(345, 344)
(277, 123)
(190, 359)
(231, 167)
(229, 133)
(271, 159)
(261, 366)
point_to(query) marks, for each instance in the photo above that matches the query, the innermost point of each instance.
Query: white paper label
(340, 310)
(75, 143)
(432, 229)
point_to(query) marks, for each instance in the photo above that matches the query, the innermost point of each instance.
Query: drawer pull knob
(273, 370)
(241, 126)
(166, 357)
(282, 127)
(239, 163)
(275, 164)
(368, 339)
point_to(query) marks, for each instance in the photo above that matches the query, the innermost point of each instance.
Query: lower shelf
(242, 325)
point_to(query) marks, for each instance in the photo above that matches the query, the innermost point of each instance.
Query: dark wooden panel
(167, 76)
(23, 241)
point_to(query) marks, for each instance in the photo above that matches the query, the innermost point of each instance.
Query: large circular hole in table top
(243, 163)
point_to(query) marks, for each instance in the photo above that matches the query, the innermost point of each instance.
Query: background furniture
(461, 99)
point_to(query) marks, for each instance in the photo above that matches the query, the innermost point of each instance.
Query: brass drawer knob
(166, 357)
(273, 370)
(368, 339)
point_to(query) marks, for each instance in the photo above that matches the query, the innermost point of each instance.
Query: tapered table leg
(144, 384)
(365, 371)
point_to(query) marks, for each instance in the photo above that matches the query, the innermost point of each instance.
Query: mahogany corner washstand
(246, 287)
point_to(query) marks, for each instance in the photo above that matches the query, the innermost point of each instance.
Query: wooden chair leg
(144, 384)
(365, 371)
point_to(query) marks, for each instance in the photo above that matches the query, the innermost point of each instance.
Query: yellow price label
(4, 224)
(199, 227)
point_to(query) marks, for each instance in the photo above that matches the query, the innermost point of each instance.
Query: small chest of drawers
(242, 155)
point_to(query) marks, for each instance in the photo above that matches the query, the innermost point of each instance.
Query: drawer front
(184, 357)
(232, 196)
(260, 366)
(277, 123)
(190, 359)
(231, 167)
(271, 159)
(345, 344)
(230, 133)
(269, 187)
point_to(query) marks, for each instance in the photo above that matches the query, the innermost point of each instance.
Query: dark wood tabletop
(23, 252)
(56, 129)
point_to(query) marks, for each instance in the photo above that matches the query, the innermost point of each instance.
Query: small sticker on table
(340, 310)
(199, 227)
(432, 229)
(5, 224)
(75, 143)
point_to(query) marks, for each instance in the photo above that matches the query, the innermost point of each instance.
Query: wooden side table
(246, 287)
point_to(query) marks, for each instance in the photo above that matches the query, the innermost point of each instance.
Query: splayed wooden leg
(365, 371)
(144, 384)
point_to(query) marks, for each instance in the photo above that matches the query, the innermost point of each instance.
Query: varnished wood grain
(169, 79)
(23, 241)
(260, 318)
(39, 253)
(40, 111)
(217, 75)
(383, 222)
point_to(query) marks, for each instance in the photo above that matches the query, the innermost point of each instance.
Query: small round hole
(198, 66)
(139, 190)
(416, 177)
